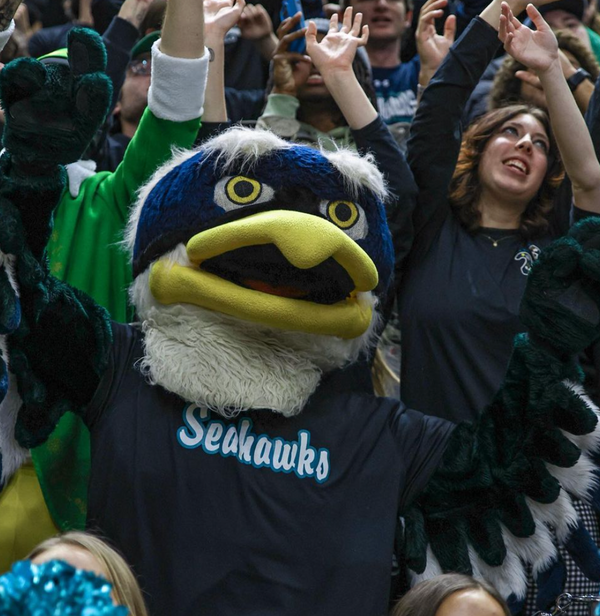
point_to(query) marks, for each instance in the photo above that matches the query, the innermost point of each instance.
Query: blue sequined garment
(55, 589)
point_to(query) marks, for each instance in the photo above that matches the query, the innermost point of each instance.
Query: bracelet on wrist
(577, 77)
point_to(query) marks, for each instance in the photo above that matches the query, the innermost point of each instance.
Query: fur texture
(433, 569)
(229, 365)
(579, 480)
(586, 442)
(561, 515)
(13, 455)
(508, 578)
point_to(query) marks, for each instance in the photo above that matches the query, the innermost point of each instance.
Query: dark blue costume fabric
(396, 90)
(260, 514)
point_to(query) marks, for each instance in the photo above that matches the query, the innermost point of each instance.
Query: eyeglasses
(141, 67)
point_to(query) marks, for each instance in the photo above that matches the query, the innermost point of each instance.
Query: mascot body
(235, 462)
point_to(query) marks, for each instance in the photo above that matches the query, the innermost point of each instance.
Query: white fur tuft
(586, 442)
(579, 480)
(560, 514)
(433, 569)
(358, 172)
(230, 365)
(13, 455)
(538, 550)
(508, 578)
(243, 147)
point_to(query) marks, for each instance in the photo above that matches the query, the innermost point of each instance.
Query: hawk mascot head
(258, 265)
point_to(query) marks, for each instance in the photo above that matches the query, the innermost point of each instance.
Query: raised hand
(538, 50)
(255, 23)
(134, 11)
(290, 70)
(221, 15)
(335, 53)
(256, 26)
(8, 8)
(52, 111)
(431, 46)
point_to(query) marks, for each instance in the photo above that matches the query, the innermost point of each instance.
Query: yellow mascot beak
(279, 268)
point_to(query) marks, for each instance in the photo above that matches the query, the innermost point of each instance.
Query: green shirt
(84, 251)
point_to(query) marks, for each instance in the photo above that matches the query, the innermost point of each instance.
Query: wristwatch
(577, 77)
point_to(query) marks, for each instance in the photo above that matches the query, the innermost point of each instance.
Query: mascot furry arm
(502, 480)
(52, 113)
(484, 509)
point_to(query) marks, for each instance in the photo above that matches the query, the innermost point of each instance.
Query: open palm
(337, 49)
(222, 15)
(537, 49)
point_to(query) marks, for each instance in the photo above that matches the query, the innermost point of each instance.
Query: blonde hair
(125, 586)
(383, 377)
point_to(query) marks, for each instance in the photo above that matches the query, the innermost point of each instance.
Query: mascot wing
(53, 338)
(503, 481)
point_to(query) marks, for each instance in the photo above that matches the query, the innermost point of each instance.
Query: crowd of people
(484, 123)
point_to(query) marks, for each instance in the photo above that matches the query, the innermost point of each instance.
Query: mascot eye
(239, 190)
(346, 215)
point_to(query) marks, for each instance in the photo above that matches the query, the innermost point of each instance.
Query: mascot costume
(235, 463)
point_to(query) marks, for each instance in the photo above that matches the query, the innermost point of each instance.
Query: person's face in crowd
(470, 603)
(75, 556)
(561, 20)
(387, 19)
(534, 95)
(514, 160)
(134, 93)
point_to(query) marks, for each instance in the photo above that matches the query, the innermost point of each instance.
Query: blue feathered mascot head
(258, 265)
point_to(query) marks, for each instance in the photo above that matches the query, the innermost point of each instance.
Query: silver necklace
(500, 239)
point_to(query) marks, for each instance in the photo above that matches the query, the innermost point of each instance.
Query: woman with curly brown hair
(485, 211)
(513, 83)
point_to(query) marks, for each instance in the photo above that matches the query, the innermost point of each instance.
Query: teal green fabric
(595, 43)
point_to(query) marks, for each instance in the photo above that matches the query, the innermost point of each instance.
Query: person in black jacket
(484, 213)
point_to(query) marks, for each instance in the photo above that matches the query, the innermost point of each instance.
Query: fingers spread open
(356, 25)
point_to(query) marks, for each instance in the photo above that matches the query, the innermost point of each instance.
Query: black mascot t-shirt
(258, 515)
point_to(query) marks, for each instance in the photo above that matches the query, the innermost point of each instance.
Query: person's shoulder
(49, 39)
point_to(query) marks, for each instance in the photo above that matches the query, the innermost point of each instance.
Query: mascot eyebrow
(259, 268)
(188, 179)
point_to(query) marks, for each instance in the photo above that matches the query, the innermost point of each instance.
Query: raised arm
(333, 58)
(431, 46)
(538, 50)
(175, 103)
(220, 16)
(436, 131)
(60, 347)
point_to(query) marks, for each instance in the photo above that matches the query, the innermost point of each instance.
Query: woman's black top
(460, 292)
